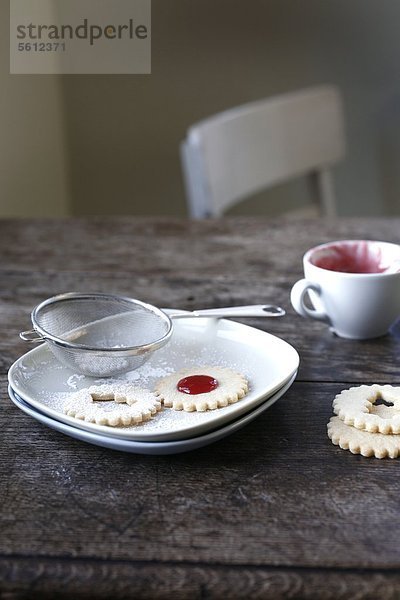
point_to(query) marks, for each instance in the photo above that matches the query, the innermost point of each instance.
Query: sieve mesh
(101, 322)
(101, 335)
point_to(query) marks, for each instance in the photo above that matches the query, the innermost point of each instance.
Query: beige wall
(109, 144)
(33, 151)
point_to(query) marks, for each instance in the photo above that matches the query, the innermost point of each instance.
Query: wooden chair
(241, 151)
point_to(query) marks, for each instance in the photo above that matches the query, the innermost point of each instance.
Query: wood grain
(273, 511)
(46, 578)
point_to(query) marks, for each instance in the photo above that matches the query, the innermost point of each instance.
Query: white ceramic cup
(353, 285)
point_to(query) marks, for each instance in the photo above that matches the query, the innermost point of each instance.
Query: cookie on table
(365, 443)
(356, 407)
(201, 388)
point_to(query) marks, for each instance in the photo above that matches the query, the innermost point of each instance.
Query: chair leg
(323, 182)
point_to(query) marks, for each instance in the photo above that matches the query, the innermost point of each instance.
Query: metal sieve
(101, 335)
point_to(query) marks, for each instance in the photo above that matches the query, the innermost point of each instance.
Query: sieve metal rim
(126, 351)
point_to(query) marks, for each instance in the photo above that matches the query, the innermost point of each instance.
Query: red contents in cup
(197, 384)
(358, 257)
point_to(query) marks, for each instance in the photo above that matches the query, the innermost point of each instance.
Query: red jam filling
(197, 384)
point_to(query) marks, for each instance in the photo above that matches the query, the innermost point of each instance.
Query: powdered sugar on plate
(73, 380)
(145, 376)
(266, 361)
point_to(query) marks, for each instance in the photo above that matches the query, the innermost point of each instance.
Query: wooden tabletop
(272, 511)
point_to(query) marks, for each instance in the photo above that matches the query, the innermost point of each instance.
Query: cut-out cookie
(207, 388)
(355, 407)
(112, 405)
(363, 442)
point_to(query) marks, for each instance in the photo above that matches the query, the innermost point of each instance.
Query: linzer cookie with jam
(201, 388)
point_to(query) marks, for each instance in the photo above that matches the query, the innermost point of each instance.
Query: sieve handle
(31, 336)
(257, 310)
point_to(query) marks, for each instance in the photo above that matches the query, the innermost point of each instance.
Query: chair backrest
(238, 152)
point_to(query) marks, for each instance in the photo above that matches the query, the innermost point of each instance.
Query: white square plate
(160, 448)
(267, 361)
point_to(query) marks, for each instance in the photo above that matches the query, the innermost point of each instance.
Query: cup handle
(297, 295)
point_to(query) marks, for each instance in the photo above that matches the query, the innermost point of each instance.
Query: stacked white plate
(39, 385)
